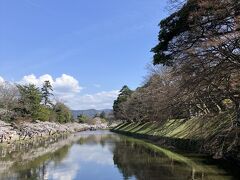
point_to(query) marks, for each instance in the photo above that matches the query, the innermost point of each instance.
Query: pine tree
(46, 93)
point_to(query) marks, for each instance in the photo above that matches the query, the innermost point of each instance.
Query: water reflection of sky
(90, 156)
(85, 162)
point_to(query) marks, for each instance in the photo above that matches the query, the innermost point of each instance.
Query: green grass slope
(195, 128)
(215, 135)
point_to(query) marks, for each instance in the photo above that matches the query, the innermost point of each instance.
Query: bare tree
(8, 99)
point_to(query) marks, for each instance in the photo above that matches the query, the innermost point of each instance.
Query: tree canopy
(46, 93)
(125, 92)
(29, 102)
(201, 44)
(197, 66)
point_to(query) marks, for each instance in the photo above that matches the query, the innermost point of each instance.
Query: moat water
(102, 155)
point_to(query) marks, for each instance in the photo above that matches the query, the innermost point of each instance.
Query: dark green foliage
(193, 26)
(198, 53)
(44, 113)
(46, 93)
(63, 113)
(125, 92)
(29, 101)
(172, 27)
(96, 115)
(34, 104)
(200, 45)
(82, 118)
(102, 115)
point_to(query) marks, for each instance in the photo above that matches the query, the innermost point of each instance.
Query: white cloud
(66, 83)
(97, 85)
(63, 85)
(67, 89)
(96, 154)
(70, 167)
(1, 80)
(67, 170)
(101, 100)
(32, 79)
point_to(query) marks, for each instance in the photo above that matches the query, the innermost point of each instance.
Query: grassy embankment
(210, 134)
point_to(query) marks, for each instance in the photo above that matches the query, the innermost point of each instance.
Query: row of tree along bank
(28, 112)
(196, 75)
(28, 103)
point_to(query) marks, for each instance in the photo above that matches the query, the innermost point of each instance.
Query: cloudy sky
(88, 49)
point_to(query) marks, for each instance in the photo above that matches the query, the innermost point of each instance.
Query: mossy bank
(211, 135)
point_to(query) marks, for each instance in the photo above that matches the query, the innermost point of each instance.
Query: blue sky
(101, 45)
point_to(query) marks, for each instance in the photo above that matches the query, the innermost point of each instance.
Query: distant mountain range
(90, 112)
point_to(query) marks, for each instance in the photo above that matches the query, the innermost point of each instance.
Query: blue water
(101, 155)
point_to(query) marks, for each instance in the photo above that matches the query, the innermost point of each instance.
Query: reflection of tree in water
(132, 157)
(29, 161)
(98, 139)
(135, 160)
(36, 169)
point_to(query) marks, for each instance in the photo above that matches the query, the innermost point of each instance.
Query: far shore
(31, 131)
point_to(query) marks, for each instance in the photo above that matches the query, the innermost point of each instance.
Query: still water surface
(101, 155)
